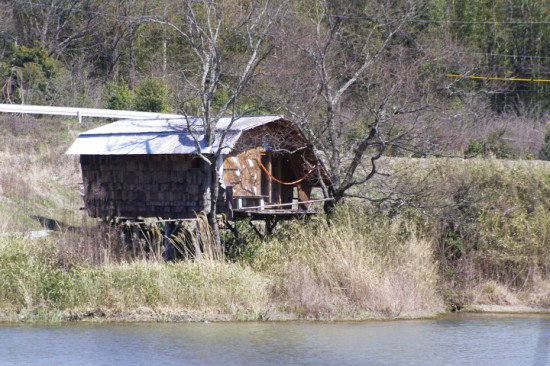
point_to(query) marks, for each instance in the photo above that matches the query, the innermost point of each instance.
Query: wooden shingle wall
(169, 186)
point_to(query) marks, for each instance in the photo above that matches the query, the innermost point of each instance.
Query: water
(453, 340)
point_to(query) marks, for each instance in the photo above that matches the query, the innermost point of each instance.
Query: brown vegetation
(36, 178)
(364, 80)
(357, 265)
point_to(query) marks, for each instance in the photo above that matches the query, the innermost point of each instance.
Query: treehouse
(154, 168)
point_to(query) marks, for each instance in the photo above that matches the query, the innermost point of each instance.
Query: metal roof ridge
(85, 134)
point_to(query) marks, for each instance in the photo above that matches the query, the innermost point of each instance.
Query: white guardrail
(83, 112)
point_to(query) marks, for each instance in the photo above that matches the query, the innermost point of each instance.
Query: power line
(502, 55)
(347, 16)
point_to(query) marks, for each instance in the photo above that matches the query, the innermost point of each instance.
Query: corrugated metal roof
(246, 123)
(163, 136)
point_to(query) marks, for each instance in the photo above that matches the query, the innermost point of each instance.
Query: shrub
(30, 75)
(495, 144)
(151, 96)
(474, 149)
(117, 96)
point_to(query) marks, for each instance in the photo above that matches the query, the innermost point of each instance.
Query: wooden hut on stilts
(138, 168)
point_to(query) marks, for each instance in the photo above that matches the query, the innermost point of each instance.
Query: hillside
(344, 66)
(39, 185)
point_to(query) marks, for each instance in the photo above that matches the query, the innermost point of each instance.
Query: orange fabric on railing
(280, 181)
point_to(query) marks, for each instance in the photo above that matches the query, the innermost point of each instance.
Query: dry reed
(359, 264)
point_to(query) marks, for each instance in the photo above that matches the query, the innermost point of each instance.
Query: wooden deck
(278, 211)
(270, 214)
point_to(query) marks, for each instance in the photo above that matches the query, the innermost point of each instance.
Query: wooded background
(362, 78)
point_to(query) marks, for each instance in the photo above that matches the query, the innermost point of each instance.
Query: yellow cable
(496, 78)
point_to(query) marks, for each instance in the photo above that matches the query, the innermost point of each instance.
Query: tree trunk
(133, 62)
(212, 215)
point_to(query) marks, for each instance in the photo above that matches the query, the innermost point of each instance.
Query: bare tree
(362, 99)
(215, 75)
(58, 24)
(121, 24)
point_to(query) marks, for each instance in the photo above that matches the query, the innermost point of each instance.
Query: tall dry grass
(451, 232)
(196, 241)
(36, 179)
(357, 264)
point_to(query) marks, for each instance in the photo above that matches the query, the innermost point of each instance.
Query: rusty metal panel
(242, 172)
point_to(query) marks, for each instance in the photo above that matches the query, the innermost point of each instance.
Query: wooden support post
(136, 232)
(197, 240)
(232, 228)
(169, 253)
(229, 202)
(304, 192)
(303, 188)
(269, 182)
(127, 233)
(279, 176)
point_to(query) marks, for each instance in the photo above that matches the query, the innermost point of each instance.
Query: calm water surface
(453, 340)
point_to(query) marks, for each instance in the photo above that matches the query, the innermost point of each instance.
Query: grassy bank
(37, 283)
(39, 184)
(445, 234)
(359, 265)
(353, 268)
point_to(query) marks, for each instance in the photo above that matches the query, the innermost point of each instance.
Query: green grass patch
(35, 276)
